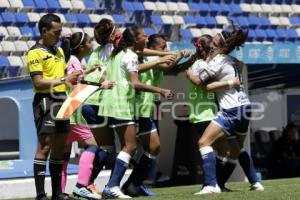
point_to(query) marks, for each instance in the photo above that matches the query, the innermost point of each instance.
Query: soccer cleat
(144, 191)
(209, 190)
(60, 197)
(85, 193)
(42, 197)
(93, 189)
(257, 187)
(113, 193)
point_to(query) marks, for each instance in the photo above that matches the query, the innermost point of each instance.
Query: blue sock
(224, 169)
(99, 162)
(209, 165)
(248, 167)
(120, 167)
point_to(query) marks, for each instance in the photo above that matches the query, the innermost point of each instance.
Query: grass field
(283, 189)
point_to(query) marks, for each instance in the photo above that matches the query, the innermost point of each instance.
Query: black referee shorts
(45, 108)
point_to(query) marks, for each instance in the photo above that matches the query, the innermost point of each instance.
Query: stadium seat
(189, 20)
(235, 9)
(77, 5)
(128, 7)
(36, 32)
(242, 21)
(66, 5)
(41, 6)
(21, 18)
(296, 9)
(295, 21)
(94, 18)
(210, 21)
(3, 32)
(89, 31)
(54, 6)
(71, 19)
(276, 9)
(30, 43)
(274, 21)
(264, 22)
(207, 31)
(16, 4)
(161, 6)
(172, 7)
(29, 4)
(91, 6)
(83, 20)
(8, 18)
(195, 32)
(253, 21)
(284, 21)
(33, 18)
(194, 7)
(14, 32)
(266, 8)
(178, 19)
(260, 34)
(222, 20)
(224, 9)
(200, 20)
(256, 8)
(157, 21)
(4, 63)
(139, 12)
(286, 8)
(21, 47)
(15, 61)
(186, 34)
(4, 4)
(76, 29)
(204, 9)
(26, 31)
(183, 7)
(149, 5)
(8, 47)
(271, 34)
(62, 17)
(167, 19)
(251, 35)
(245, 7)
(107, 16)
(65, 31)
(215, 9)
(292, 34)
(119, 19)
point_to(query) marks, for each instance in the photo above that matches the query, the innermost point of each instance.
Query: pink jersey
(74, 65)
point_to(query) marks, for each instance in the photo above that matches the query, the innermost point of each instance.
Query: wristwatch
(63, 80)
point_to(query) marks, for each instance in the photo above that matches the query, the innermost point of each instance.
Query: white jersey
(222, 68)
(130, 61)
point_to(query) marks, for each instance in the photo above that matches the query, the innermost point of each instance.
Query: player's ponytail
(65, 45)
(71, 44)
(203, 46)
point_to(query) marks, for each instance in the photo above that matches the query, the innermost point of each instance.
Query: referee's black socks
(55, 168)
(39, 170)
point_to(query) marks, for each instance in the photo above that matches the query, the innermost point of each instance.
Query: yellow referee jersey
(50, 64)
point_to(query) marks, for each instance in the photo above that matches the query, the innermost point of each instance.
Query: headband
(81, 40)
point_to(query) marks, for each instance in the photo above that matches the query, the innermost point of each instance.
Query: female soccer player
(76, 47)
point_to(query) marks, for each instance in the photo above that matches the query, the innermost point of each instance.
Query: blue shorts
(145, 126)
(234, 120)
(90, 114)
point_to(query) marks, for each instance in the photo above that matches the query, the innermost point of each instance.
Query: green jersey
(203, 107)
(145, 100)
(119, 101)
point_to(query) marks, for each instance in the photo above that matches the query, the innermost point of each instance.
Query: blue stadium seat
(119, 19)
(210, 21)
(21, 18)
(295, 21)
(251, 35)
(194, 6)
(41, 5)
(224, 9)
(281, 34)
(235, 9)
(201, 22)
(253, 21)
(264, 22)
(149, 31)
(91, 5)
(27, 31)
(242, 21)
(8, 18)
(189, 20)
(71, 18)
(127, 6)
(83, 20)
(186, 34)
(138, 6)
(215, 9)
(260, 34)
(4, 62)
(54, 5)
(156, 19)
(271, 34)
(139, 13)
(29, 4)
(36, 33)
(204, 8)
(292, 34)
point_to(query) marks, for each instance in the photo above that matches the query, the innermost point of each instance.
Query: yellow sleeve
(34, 62)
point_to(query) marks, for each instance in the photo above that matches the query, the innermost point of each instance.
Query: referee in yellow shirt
(46, 65)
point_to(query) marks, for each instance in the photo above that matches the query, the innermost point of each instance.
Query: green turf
(283, 189)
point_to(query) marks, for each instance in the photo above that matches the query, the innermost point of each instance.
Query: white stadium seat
(33, 17)
(286, 8)
(178, 19)
(172, 6)
(14, 32)
(276, 8)
(3, 31)
(76, 29)
(65, 4)
(4, 4)
(207, 31)
(150, 5)
(266, 8)
(183, 7)
(15, 61)
(296, 8)
(167, 19)
(21, 47)
(8, 47)
(246, 7)
(161, 6)
(0, 48)
(298, 31)
(16, 4)
(222, 20)
(256, 8)
(62, 17)
(274, 20)
(215, 31)
(66, 31)
(78, 5)
(89, 31)
(284, 21)
(107, 17)
(95, 18)
(195, 32)
(30, 43)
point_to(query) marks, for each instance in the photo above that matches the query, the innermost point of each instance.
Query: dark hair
(153, 39)
(103, 30)
(128, 39)
(203, 45)
(46, 21)
(288, 128)
(71, 43)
